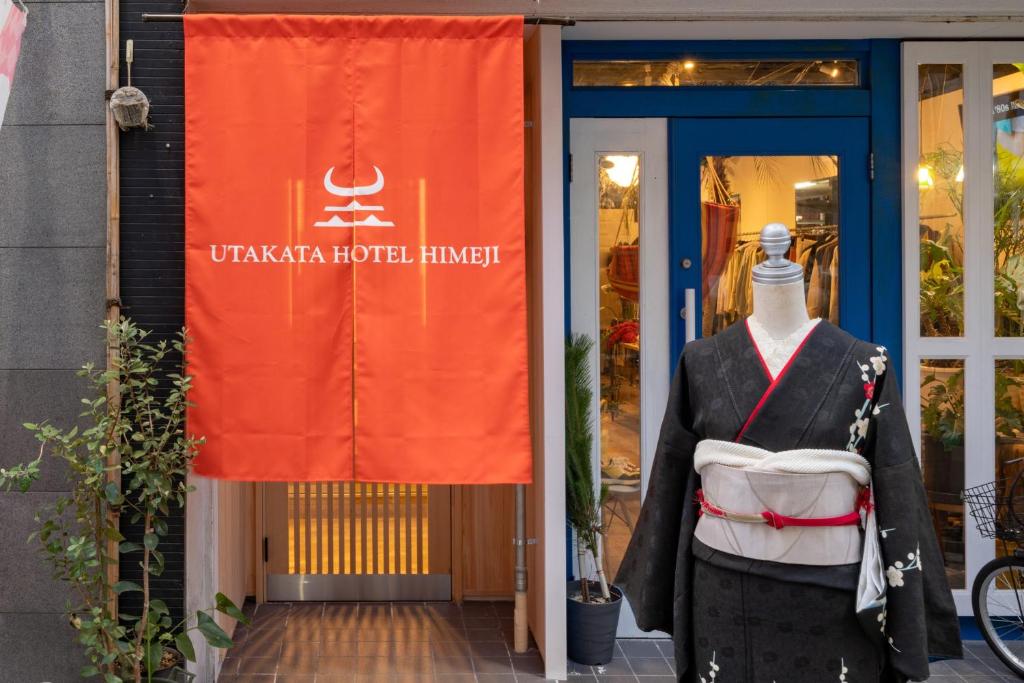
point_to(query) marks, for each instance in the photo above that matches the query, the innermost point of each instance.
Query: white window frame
(647, 137)
(979, 347)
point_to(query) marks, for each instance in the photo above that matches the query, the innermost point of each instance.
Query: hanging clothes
(718, 231)
(801, 623)
(730, 297)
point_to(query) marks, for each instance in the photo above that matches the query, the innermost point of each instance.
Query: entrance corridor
(379, 641)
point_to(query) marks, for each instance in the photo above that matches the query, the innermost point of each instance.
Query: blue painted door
(769, 144)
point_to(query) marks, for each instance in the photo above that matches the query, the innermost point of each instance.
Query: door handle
(689, 313)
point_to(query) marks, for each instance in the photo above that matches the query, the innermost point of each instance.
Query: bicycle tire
(1013, 659)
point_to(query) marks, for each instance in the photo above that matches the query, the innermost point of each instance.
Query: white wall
(547, 312)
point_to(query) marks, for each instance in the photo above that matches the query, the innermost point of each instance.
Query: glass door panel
(1008, 209)
(1009, 433)
(940, 194)
(730, 177)
(739, 196)
(618, 210)
(942, 458)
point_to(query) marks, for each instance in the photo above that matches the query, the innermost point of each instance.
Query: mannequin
(779, 322)
(783, 452)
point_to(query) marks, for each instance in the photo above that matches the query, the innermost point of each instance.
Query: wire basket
(992, 506)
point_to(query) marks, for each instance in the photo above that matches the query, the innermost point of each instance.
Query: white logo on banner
(480, 255)
(337, 221)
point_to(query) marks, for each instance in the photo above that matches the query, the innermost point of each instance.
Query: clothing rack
(749, 233)
(816, 230)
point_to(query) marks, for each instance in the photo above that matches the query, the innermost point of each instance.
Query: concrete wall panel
(34, 396)
(52, 186)
(25, 584)
(32, 649)
(60, 72)
(51, 306)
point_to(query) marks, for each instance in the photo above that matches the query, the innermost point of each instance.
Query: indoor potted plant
(138, 413)
(592, 607)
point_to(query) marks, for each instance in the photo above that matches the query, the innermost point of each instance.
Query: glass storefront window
(1008, 188)
(942, 458)
(1009, 430)
(940, 182)
(619, 225)
(689, 72)
(739, 195)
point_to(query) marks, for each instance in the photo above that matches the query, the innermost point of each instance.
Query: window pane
(739, 196)
(1009, 433)
(1008, 223)
(940, 182)
(677, 73)
(942, 458)
(619, 266)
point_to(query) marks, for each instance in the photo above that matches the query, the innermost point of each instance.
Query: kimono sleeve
(920, 618)
(658, 560)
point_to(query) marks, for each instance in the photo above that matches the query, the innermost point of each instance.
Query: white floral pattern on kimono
(712, 669)
(862, 416)
(870, 373)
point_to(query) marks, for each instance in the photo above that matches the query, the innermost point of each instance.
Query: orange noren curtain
(355, 277)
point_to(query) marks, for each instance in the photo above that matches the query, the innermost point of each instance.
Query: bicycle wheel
(998, 600)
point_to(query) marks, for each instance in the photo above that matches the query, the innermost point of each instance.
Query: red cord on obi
(777, 521)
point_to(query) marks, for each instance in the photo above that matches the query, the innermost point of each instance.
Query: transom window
(692, 71)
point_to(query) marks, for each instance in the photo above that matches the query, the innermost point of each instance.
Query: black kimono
(754, 621)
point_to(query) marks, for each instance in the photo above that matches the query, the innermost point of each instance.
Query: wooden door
(358, 541)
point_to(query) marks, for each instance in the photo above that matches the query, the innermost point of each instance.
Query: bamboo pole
(113, 261)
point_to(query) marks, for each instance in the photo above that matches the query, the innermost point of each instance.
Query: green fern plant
(583, 499)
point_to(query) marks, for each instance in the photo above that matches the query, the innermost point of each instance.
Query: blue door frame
(691, 139)
(876, 102)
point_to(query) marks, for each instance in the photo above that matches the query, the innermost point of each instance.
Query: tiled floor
(443, 642)
(979, 665)
(639, 661)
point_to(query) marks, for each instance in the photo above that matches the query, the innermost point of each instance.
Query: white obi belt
(803, 506)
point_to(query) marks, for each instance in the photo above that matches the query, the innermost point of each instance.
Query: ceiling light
(623, 169)
(924, 178)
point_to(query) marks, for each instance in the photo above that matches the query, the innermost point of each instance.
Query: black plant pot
(591, 627)
(175, 673)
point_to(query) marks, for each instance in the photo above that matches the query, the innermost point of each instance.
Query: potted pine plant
(592, 607)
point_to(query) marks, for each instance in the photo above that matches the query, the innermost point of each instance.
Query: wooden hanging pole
(536, 21)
